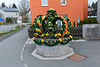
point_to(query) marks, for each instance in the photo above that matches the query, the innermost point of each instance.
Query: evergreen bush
(8, 20)
(74, 23)
(88, 21)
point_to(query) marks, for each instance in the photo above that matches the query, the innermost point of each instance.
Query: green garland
(66, 42)
(52, 43)
(37, 42)
(51, 18)
(63, 22)
(69, 24)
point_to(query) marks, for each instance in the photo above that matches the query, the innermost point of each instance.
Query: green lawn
(76, 38)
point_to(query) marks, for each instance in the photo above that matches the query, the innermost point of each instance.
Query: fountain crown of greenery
(46, 29)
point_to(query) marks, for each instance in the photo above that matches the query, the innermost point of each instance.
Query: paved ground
(10, 50)
(91, 49)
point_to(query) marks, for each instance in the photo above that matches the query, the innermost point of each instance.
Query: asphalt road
(10, 49)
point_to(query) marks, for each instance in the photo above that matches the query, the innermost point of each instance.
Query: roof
(10, 9)
(89, 9)
(92, 10)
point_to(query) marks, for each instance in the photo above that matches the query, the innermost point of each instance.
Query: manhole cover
(77, 57)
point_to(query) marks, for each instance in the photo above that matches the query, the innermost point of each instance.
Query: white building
(10, 12)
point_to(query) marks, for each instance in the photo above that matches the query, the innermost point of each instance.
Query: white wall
(11, 14)
(2, 14)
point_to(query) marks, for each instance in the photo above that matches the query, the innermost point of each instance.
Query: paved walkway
(91, 49)
(10, 49)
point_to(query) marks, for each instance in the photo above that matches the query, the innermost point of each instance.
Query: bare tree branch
(24, 7)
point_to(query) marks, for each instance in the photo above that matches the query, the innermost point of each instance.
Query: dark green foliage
(95, 21)
(8, 20)
(14, 5)
(88, 21)
(94, 5)
(74, 24)
(51, 13)
(76, 38)
(3, 5)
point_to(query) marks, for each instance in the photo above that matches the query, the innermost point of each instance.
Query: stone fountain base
(57, 52)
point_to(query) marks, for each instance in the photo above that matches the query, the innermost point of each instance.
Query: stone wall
(98, 12)
(91, 31)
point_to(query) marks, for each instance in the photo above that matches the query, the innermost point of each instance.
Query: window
(63, 16)
(44, 2)
(63, 2)
(78, 19)
(59, 22)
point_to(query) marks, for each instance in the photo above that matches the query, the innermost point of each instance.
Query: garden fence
(75, 32)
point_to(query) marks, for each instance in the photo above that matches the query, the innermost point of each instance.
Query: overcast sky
(7, 2)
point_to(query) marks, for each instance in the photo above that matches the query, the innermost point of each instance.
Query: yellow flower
(71, 36)
(59, 34)
(60, 39)
(55, 35)
(51, 9)
(33, 38)
(42, 34)
(42, 41)
(35, 33)
(47, 34)
(68, 33)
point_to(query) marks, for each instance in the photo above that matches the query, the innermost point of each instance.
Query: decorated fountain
(52, 38)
